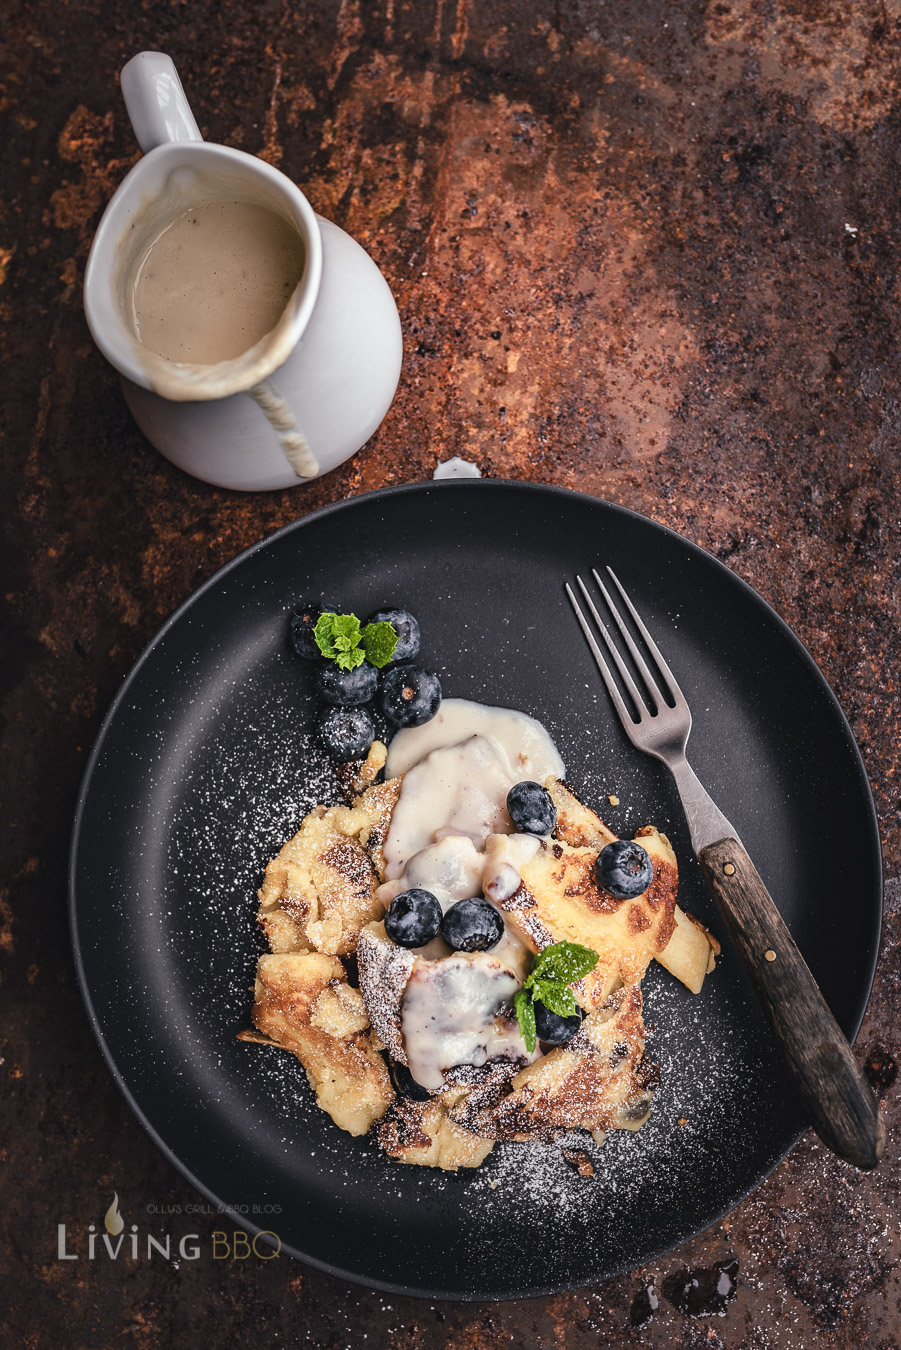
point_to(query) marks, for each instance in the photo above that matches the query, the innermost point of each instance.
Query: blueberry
(409, 696)
(553, 1029)
(472, 926)
(530, 808)
(345, 688)
(623, 869)
(406, 1085)
(406, 628)
(413, 918)
(346, 733)
(300, 629)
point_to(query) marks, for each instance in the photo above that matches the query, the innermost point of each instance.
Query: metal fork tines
(665, 725)
(661, 720)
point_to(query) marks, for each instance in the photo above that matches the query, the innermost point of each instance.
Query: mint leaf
(557, 998)
(562, 963)
(378, 641)
(349, 660)
(323, 634)
(346, 626)
(525, 1016)
(548, 982)
(338, 638)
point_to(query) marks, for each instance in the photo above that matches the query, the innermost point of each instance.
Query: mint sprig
(525, 1016)
(548, 982)
(341, 639)
(378, 641)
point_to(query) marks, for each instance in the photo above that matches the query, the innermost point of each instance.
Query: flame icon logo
(112, 1219)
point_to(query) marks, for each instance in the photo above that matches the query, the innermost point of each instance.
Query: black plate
(204, 766)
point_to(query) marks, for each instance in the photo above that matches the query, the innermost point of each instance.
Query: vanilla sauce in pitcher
(215, 281)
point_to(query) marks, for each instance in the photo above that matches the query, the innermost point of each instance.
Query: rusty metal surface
(647, 250)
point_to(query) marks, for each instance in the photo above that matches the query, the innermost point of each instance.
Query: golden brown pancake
(321, 888)
(601, 1080)
(560, 901)
(318, 901)
(303, 1003)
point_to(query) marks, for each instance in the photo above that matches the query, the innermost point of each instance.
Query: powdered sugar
(233, 817)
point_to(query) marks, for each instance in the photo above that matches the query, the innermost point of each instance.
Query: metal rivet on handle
(770, 955)
(729, 869)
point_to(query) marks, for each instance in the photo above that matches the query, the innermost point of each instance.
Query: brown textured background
(647, 250)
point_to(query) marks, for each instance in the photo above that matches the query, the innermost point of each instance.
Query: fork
(838, 1099)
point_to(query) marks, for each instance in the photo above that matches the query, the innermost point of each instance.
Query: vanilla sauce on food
(450, 834)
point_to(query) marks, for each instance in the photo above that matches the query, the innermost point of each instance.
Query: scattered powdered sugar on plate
(236, 817)
(237, 807)
(703, 1065)
(251, 777)
(538, 1177)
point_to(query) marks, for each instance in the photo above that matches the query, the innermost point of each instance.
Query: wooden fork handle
(837, 1097)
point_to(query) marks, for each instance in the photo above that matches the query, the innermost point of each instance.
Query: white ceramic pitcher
(309, 393)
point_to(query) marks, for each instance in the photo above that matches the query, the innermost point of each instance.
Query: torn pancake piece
(692, 949)
(601, 1080)
(577, 824)
(559, 900)
(303, 1003)
(691, 952)
(385, 970)
(320, 890)
(424, 1133)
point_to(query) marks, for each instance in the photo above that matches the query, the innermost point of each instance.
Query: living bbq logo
(117, 1241)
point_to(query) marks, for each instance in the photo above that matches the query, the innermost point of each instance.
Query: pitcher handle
(156, 102)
